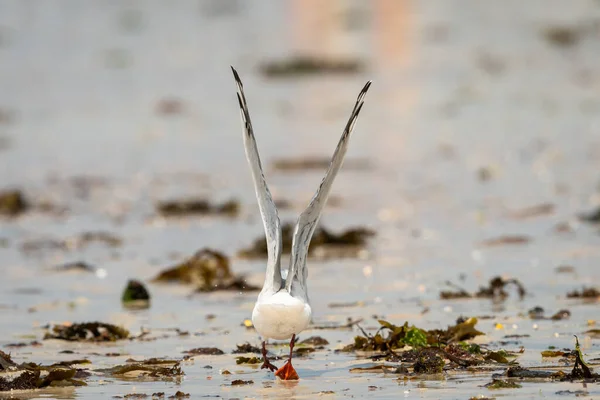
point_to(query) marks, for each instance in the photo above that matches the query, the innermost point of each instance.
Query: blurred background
(483, 122)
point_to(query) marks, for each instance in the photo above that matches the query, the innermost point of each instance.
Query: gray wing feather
(307, 222)
(263, 195)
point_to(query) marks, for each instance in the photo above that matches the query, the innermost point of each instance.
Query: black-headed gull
(282, 310)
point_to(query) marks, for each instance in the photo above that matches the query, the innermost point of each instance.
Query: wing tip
(236, 75)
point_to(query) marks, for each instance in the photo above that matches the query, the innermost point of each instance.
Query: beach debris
(187, 207)
(208, 270)
(135, 295)
(323, 241)
(306, 66)
(88, 332)
(12, 203)
(494, 290)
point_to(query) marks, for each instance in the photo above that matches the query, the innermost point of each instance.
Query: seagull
(282, 309)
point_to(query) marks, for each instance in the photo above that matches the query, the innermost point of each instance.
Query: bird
(282, 309)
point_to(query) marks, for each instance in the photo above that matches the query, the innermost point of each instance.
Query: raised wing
(307, 222)
(265, 201)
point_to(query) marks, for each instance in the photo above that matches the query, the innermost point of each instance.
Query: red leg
(287, 372)
(266, 363)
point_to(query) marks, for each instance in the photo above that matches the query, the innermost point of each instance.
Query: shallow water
(458, 86)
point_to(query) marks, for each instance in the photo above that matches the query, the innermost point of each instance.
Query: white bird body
(279, 316)
(282, 309)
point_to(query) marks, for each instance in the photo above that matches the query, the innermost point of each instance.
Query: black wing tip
(236, 75)
(365, 89)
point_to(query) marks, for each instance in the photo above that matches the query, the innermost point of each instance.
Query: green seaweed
(135, 295)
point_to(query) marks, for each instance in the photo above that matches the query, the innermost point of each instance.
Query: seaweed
(238, 382)
(6, 361)
(186, 207)
(315, 341)
(246, 348)
(28, 376)
(580, 369)
(537, 313)
(208, 270)
(523, 373)
(322, 240)
(135, 295)
(502, 384)
(495, 290)
(305, 65)
(153, 368)
(562, 36)
(169, 106)
(26, 380)
(77, 266)
(86, 238)
(205, 351)
(12, 203)
(506, 240)
(429, 362)
(533, 211)
(247, 360)
(592, 217)
(405, 335)
(180, 395)
(315, 163)
(88, 331)
(585, 293)
(555, 353)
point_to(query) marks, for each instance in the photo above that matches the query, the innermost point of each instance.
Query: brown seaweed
(205, 351)
(304, 66)
(495, 290)
(323, 239)
(246, 348)
(186, 207)
(585, 293)
(208, 270)
(88, 331)
(12, 203)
